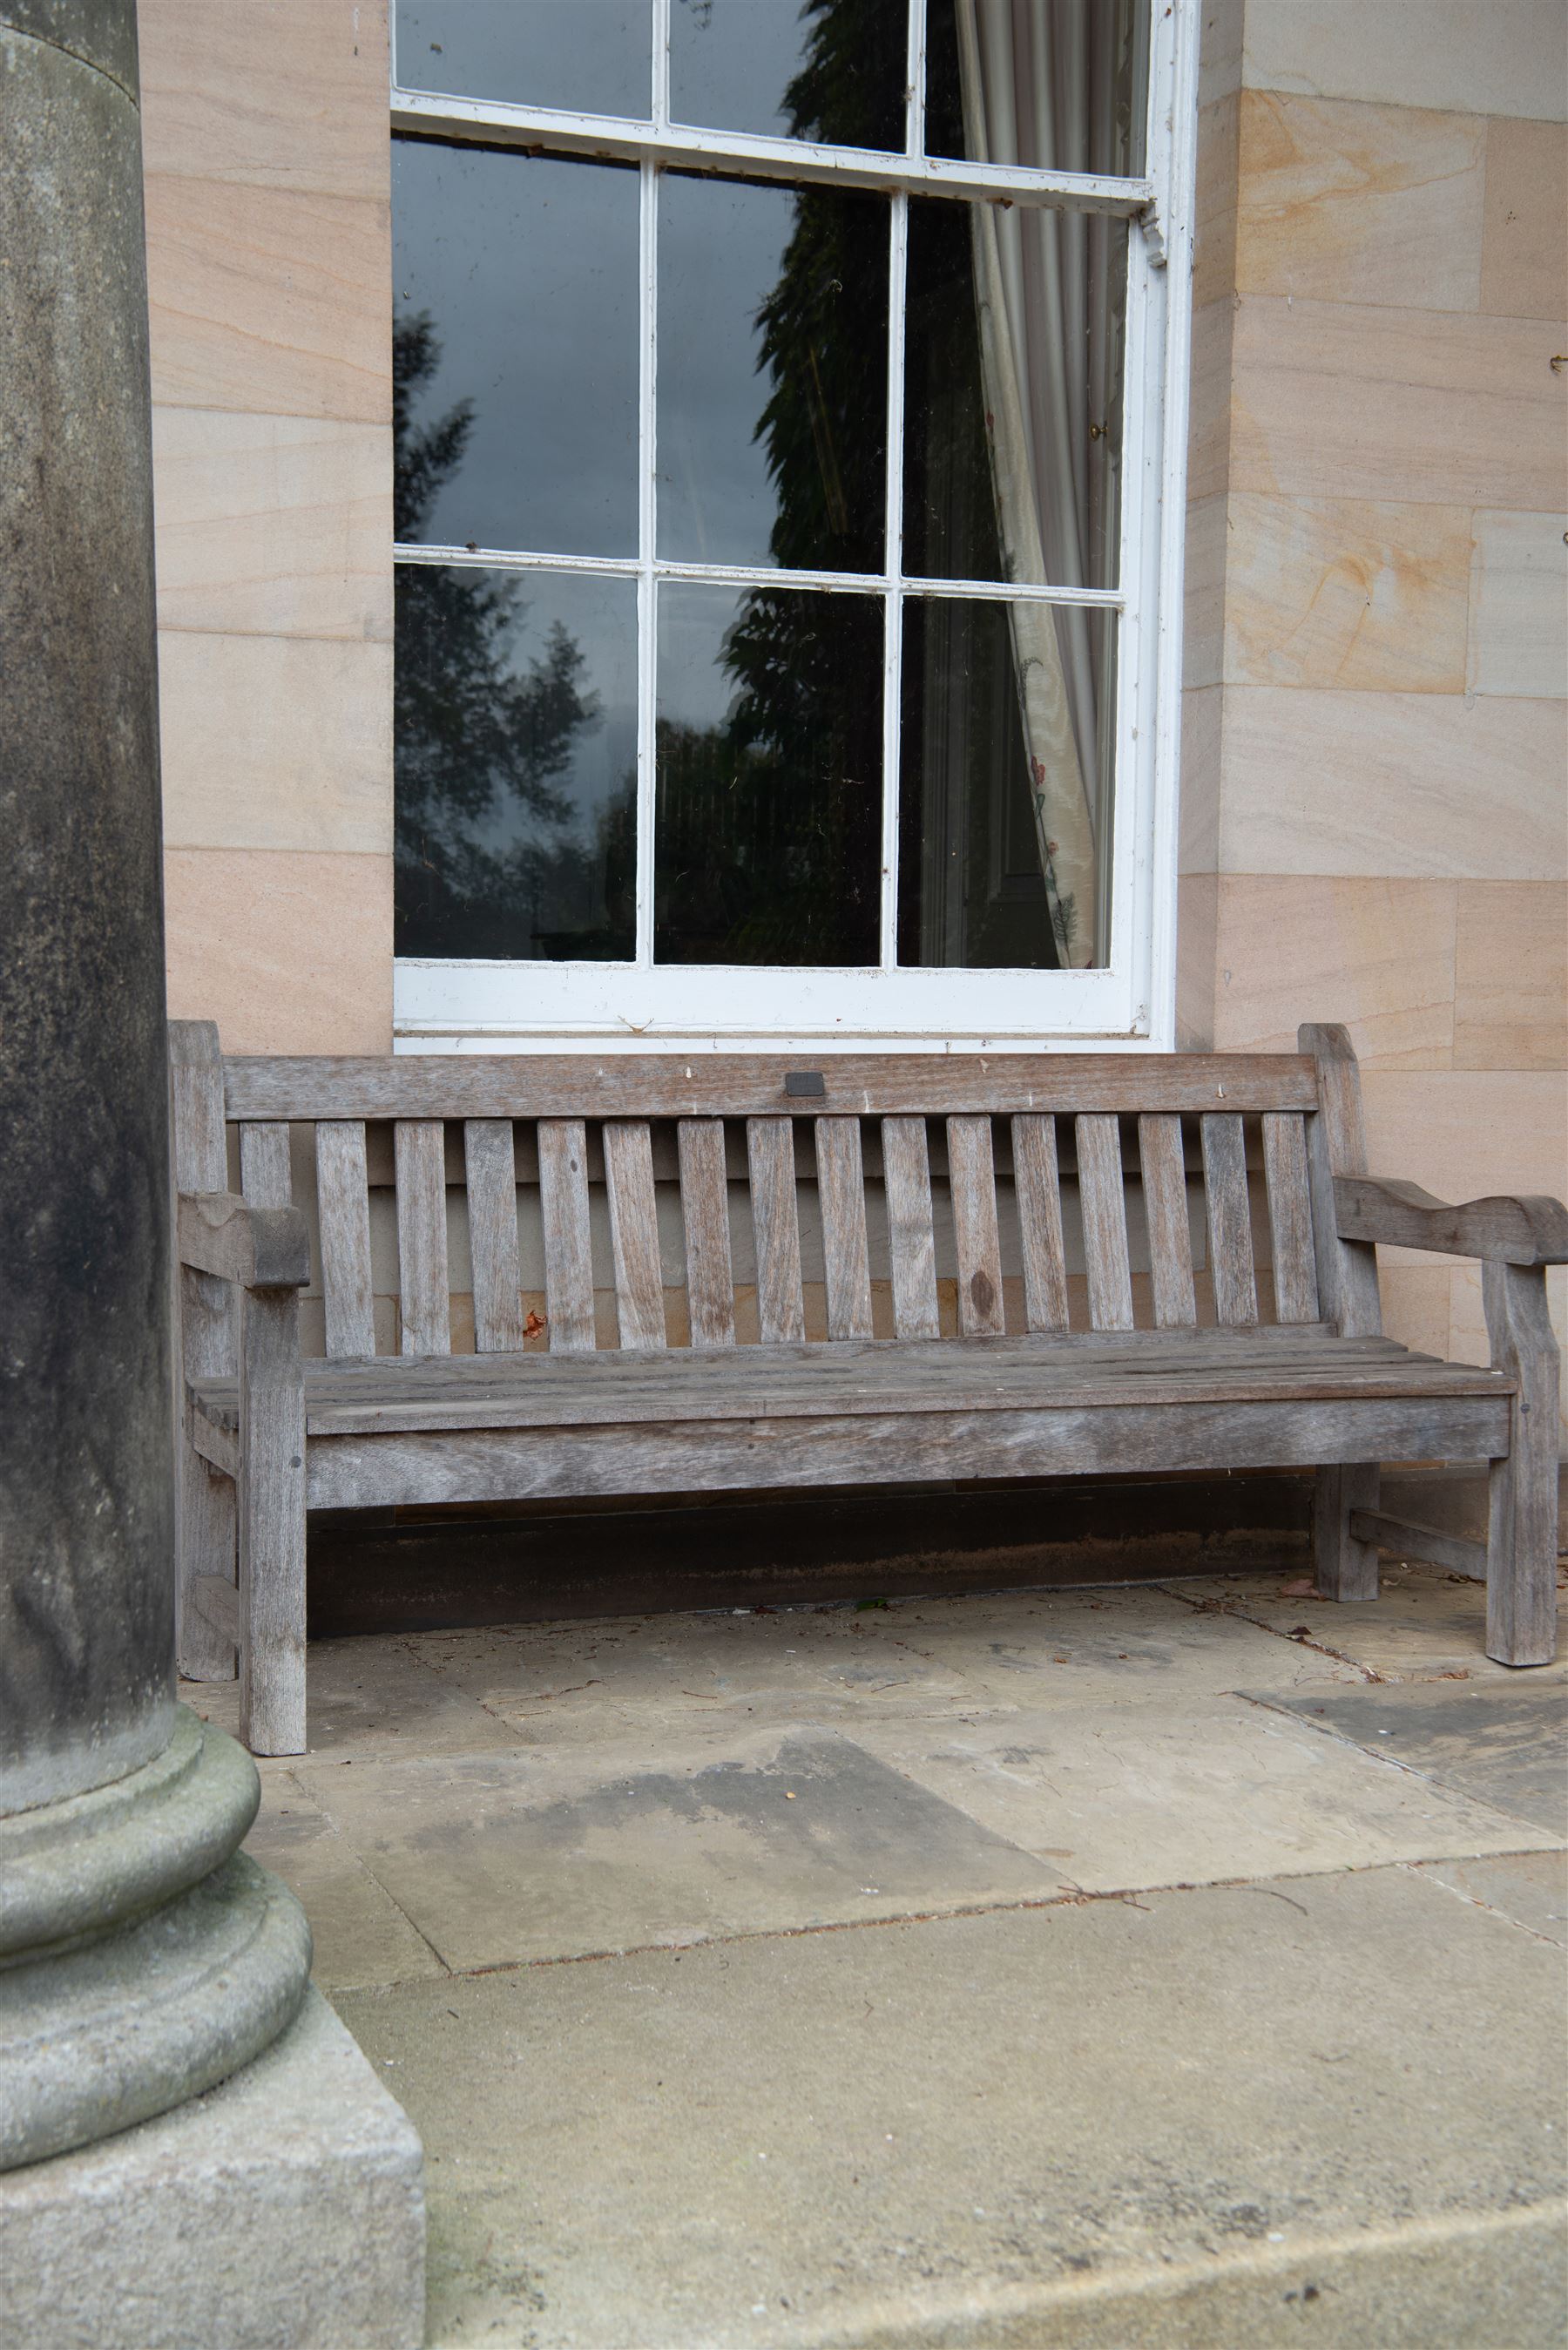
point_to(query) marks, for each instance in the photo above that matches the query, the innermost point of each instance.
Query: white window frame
(448, 1005)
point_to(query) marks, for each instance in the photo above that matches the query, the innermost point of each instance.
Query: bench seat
(560, 1279)
(519, 1427)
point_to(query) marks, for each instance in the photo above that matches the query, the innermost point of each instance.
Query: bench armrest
(260, 1248)
(1524, 1229)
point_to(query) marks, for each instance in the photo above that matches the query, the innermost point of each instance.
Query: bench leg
(1522, 1531)
(204, 1549)
(204, 1530)
(1343, 1568)
(271, 1525)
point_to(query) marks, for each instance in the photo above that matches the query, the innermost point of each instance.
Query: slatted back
(641, 1202)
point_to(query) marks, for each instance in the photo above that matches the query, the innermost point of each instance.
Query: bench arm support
(259, 1248)
(1526, 1230)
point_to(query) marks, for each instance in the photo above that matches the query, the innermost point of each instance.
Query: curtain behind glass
(1039, 85)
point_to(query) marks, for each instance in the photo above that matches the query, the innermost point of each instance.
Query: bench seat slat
(490, 1163)
(841, 1195)
(343, 1205)
(420, 1150)
(1104, 1207)
(1218, 1367)
(972, 1171)
(911, 1243)
(705, 1212)
(634, 1233)
(568, 1239)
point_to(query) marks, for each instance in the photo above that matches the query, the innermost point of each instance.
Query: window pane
(1012, 400)
(832, 71)
(1054, 85)
(1005, 790)
(588, 59)
(514, 350)
(772, 368)
(770, 761)
(517, 764)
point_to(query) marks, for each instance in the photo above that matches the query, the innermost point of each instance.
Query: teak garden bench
(917, 1181)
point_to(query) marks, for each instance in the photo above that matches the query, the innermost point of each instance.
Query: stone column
(142, 1958)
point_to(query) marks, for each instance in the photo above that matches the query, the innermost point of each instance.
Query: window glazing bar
(539, 130)
(741, 575)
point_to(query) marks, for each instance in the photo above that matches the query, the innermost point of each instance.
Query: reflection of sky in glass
(721, 256)
(517, 758)
(600, 618)
(694, 690)
(527, 268)
(588, 56)
(730, 62)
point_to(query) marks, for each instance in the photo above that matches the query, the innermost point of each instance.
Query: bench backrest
(642, 1201)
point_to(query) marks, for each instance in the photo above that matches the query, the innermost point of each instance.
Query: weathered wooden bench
(974, 1211)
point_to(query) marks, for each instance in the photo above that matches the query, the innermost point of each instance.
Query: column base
(142, 1958)
(285, 2207)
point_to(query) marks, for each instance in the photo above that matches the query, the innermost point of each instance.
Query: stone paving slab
(794, 1663)
(1424, 1623)
(374, 1696)
(1531, 1888)
(1109, 2122)
(1135, 1645)
(360, 1934)
(1139, 1795)
(1506, 1744)
(502, 1857)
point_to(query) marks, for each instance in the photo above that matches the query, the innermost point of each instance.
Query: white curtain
(1038, 86)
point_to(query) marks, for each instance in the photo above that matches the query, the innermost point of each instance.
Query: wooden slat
(1230, 1219)
(1103, 1203)
(272, 1486)
(841, 1198)
(1290, 1216)
(1336, 1145)
(208, 1335)
(775, 1224)
(907, 1174)
(705, 1212)
(343, 1205)
(1521, 1519)
(264, 1175)
(1165, 1211)
(512, 1464)
(917, 1376)
(634, 1234)
(1038, 1187)
(568, 1246)
(442, 1085)
(421, 1152)
(1458, 1552)
(490, 1165)
(972, 1176)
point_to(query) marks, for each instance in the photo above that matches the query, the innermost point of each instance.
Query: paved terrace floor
(1175, 1965)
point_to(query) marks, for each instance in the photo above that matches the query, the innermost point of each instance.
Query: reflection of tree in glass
(483, 842)
(769, 825)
